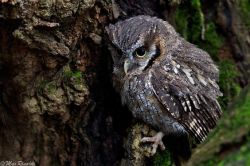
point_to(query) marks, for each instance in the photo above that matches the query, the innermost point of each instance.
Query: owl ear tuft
(117, 10)
(110, 29)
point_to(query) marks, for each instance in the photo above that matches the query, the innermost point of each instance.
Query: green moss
(198, 20)
(189, 20)
(227, 83)
(181, 21)
(75, 76)
(190, 23)
(41, 86)
(236, 157)
(51, 87)
(244, 8)
(48, 86)
(68, 76)
(162, 159)
(212, 42)
(242, 112)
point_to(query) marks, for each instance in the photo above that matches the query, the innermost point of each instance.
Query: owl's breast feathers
(180, 89)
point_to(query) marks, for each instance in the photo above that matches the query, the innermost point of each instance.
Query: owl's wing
(185, 84)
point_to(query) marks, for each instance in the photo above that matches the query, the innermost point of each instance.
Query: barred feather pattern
(174, 86)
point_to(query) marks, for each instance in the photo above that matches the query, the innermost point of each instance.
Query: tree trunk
(57, 104)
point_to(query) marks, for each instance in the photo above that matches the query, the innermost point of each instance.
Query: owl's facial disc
(139, 53)
(139, 59)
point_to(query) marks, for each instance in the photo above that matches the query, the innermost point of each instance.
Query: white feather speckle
(188, 74)
(192, 124)
(175, 70)
(201, 79)
(198, 131)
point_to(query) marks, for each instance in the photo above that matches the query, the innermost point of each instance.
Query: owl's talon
(156, 140)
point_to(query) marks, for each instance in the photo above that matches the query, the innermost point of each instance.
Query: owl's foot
(156, 140)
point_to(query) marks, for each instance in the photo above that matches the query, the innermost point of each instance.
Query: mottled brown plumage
(164, 80)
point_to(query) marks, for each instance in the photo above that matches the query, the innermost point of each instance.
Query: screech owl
(165, 81)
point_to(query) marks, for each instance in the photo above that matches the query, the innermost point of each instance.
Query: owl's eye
(140, 52)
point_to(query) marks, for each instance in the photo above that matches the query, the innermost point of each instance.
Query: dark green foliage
(240, 157)
(181, 22)
(162, 159)
(75, 74)
(244, 8)
(228, 85)
(242, 112)
(191, 25)
(212, 42)
(189, 20)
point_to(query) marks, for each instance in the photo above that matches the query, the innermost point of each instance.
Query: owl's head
(137, 42)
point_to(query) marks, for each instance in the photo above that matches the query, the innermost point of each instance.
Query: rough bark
(52, 57)
(57, 104)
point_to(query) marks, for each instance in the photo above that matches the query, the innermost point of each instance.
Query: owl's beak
(126, 66)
